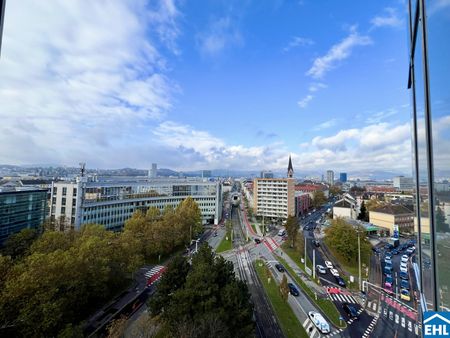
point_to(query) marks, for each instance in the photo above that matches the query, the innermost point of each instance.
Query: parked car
(320, 322)
(405, 259)
(404, 294)
(388, 269)
(388, 281)
(321, 269)
(282, 232)
(293, 290)
(350, 310)
(280, 267)
(334, 272)
(395, 252)
(404, 284)
(316, 243)
(329, 265)
(257, 240)
(403, 275)
(387, 260)
(388, 256)
(340, 281)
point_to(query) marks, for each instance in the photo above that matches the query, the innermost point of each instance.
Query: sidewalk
(305, 278)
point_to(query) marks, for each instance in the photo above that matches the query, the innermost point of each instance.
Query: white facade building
(330, 177)
(274, 197)
(347, 207)
(403, 183)
(112, 203)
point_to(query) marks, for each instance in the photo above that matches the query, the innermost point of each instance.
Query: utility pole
(359, 262)
(314, 265)
(305, 253)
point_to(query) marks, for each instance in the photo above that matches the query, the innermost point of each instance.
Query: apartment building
(274, 197)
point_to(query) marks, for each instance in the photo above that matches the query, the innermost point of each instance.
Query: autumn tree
(18, 244)
(284, 289)
(292, 229)
(363, 215)
(319, 198)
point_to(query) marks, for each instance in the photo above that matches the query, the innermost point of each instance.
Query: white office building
(111, 203)
(330, 177)
(403, 183)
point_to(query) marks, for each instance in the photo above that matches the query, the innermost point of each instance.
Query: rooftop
(391, 209)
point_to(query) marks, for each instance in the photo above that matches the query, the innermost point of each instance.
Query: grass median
(225, 244)
(327, 306)
(286, 318)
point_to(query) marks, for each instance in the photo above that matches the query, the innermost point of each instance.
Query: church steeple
(290, 171)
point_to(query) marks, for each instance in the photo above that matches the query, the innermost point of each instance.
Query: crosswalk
(400, 319)
(271, 244)
(154, 274)
(312, 331)
(343, 298)
(371, 326)
(372, 306)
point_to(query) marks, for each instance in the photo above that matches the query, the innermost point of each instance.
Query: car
(350, 310)
(334, 272)
(388, 256)
(405, 258)
(376, 250)
(340, 281)
(293, 290)
(316, 243)
(329, 265)
(320, 322)
(403, 275)
(257, 240)
(404, 284)
(395, 252)
(388, 281)
(404, 294)
(280, 267)
(321, 269)
(388, 246)
(282, 232)
(215, 233)
(388, 261)
(388, 269)
(403, 267)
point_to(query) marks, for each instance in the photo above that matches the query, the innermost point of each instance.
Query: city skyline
(166, 88)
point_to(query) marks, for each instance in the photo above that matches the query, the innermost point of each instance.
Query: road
(266, 323)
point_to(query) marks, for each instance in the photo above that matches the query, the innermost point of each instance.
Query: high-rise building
(330, 177)
(429, 79)
(343, 177)
(403, 183)
(266, 174)
(154, 171)
(21, 208)
(274, 197)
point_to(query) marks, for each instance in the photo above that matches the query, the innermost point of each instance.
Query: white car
(319, 322)
(334, 272)
(403, 267)
(405, 259)
(329, 265)
(321, 269)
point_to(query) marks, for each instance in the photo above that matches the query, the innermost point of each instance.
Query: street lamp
(359, 261)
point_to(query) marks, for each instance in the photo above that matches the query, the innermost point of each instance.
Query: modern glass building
(429, 83)
(21, 209)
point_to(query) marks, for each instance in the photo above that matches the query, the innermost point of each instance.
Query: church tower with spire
(290, 170)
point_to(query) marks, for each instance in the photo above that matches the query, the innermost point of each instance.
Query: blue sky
(206, 84)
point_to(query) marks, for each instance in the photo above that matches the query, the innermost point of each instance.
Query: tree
(116, 329)
(209, 302)
(284, 289)
(292, 229)
(144, 327)
(318, 199)
(335, 190)
(17, 245)
(300, 244)
(342, 239)
(363, 215)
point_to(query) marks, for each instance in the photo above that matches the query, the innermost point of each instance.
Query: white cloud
(326, 124)
(314, 87)
(79, 79)
(219, 35)
(381, 115)
(338, 52)
(297, 41)
(305, 101)
(390, 19)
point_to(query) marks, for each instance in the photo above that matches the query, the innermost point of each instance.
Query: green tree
(284, 289)
(342, 239)
(211, 302)
(363, 215)
(335, 190)
(300, 244)
(18, 245)
(292, 229)
(319, 198)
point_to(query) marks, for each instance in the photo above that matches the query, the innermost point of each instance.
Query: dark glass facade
(429, 83)
(20, 210)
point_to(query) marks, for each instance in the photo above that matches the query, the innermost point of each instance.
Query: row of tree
(50, 283)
